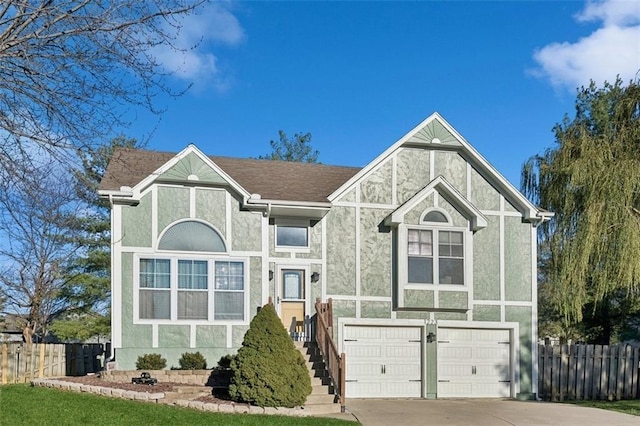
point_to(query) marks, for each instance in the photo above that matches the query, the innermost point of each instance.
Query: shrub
(192, 361)
(268, 370)
(151, 362)
(225, 361)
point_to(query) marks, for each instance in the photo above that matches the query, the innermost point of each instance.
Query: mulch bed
(159, 387)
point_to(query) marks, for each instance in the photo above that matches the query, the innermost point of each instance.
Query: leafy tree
(268, 370)
(298, 149)
(88, 273)
(68, 64)
(591, 180)
(36, 208)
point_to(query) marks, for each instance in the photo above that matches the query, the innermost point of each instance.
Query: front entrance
(291, 299)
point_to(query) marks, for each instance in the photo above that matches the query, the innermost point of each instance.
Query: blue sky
(359, 75)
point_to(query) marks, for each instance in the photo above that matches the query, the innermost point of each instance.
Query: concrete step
(320, 381)
(320, 409)
(320, 389)
(320, 399)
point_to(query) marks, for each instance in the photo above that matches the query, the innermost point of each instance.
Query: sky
(359, 75)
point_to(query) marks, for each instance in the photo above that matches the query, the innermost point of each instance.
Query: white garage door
(473, 363)
(383, 362)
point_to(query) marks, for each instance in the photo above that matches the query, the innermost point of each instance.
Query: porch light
(315, 277)
(270, 275)
(431, 337)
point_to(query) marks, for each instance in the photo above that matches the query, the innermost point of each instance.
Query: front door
(292, 303)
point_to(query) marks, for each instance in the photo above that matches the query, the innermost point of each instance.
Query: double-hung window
(155, 289)
(229, 291)
(191, 289)
(435, 256)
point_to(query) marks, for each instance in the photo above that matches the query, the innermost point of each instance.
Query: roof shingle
(273, 180)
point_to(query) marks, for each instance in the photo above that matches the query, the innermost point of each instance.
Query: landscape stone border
(158, 397)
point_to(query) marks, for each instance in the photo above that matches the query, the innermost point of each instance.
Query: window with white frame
(292, 236)
(435, 255)
(155, 289)
(229, 291)
(193, 287)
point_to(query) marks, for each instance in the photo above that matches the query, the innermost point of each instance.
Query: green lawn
(26, 405)
(626, 406)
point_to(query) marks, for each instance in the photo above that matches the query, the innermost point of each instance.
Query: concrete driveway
(489, 412)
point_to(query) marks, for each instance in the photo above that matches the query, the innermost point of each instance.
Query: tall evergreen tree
(591, 180)
(298, 149)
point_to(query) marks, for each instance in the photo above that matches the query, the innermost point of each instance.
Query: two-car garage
(385, 361)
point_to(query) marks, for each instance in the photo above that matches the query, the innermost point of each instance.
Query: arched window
(435, 216)
(192, 236)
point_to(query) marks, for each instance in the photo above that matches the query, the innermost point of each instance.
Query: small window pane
(236, 268)
(451, 271)
(414, 249)
(292, 286)
(426, 249)
(229, 305)
(192, 305)
(155, 273)
(456, 237)
(414, 235)
(236, 283)
(420, 270)
(155, 304)
(222, 283)
(294, 236)
(444, 250)
(192, 274)
(457, 251)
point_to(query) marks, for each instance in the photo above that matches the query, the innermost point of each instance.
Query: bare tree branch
(69, 69)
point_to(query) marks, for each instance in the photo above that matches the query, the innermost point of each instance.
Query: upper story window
(292, 236)
(435, 255)
(192, 235)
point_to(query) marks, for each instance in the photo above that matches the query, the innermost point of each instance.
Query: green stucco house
(428, 254)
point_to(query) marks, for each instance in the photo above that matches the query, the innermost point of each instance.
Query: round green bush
(268, 370)
(192, 361)
(151, 362)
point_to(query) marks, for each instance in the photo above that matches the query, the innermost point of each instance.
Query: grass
(26, 405)
(626, 406)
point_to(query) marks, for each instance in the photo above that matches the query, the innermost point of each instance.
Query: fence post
(5, 363)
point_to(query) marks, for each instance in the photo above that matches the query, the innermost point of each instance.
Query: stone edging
(158, 397)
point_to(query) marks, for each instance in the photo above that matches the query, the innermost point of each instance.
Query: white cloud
(611, 50)
(191, 59)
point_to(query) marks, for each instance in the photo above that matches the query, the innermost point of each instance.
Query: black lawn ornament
(144, 379)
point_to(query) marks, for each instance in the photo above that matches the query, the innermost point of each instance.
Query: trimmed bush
(268, 370)
(151, 362)
(192, 361)
(225, 361)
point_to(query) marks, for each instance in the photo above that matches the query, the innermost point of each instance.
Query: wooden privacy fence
(21, 362)
(574, 372)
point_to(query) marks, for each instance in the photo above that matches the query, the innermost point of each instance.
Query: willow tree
(591, 180)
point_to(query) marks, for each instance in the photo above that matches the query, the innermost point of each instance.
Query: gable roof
(451, 194)
(434, 132)
(273, 180)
